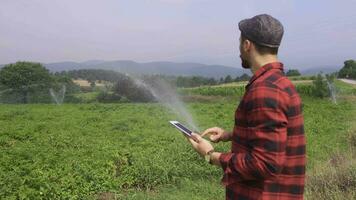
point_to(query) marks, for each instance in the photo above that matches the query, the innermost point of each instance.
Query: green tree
(60, 80)
(245, 77)
(293, 72)
(126, 87)
(228, 79)
(320, 87)
(221, 80)
(25, 78)
(349, 70)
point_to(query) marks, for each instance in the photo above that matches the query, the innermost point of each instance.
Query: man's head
(260, 36)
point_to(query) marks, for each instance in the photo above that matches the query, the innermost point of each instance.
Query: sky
(317, 33)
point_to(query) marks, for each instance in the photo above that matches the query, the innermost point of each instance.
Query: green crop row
(84, 151)
(303, 89)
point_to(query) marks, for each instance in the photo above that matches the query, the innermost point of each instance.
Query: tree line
(28, 82)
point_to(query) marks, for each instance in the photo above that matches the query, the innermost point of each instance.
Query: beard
(244, 63)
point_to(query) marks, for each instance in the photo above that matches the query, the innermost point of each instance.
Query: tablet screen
(182, 128)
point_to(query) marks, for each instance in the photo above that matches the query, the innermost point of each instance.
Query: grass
(87, 97)
(334, 179)
(129, 151)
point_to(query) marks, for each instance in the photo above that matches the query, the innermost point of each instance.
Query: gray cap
(263, 30)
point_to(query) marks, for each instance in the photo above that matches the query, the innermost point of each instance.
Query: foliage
(71, 87)
(228, 79)
(301, 78)
(335, 179)
(293, 72)
(27, 82)
(348, 70)
(345, 88)
(86, 151)
(243, 77)
(129, 151)
(194, 81)
(93, 75)
(320, 87)
(108, 97)
(132, 90)
(24, 79)
(237, 90)
(215, 91)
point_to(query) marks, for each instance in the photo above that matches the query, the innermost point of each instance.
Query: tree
(228, 79)
(245, 77)
(25, 78)
(293, 72)
(133, 91)
(320, 87)
(221, 80)
(349, 70)
(60, 80)
(94, 75)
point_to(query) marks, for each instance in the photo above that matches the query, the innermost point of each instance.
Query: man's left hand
(201, 145)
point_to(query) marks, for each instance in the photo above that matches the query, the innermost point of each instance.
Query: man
(267, 158)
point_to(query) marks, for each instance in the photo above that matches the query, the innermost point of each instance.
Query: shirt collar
(263, 69)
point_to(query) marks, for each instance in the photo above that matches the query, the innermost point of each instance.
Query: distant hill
(166, 68)
(169, 68)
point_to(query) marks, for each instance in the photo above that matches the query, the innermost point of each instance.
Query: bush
(132, 90)
(293, 72)
(305, 89)
(320, 87)
(106, 97)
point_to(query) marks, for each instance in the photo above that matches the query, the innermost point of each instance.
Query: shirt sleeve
(265, 107)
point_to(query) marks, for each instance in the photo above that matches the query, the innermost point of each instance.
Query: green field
(129, 151)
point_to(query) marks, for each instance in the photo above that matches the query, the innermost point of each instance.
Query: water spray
(58, 97)
(166, 95)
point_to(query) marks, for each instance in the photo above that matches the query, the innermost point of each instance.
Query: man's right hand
(217, 134)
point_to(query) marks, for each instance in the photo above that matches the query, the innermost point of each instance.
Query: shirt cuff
(224, 159)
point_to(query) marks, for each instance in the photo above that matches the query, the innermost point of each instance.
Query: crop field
(130, 151)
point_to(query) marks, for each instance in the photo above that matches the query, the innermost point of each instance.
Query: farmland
(129, 151)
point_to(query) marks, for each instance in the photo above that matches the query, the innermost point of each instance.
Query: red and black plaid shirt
(267, 158)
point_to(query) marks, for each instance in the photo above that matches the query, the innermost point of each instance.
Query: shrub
(132, 90)
(320, 87)
(107, 97)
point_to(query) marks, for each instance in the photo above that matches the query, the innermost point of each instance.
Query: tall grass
(334, 179)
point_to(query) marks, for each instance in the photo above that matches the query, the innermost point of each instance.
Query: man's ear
(246, 45)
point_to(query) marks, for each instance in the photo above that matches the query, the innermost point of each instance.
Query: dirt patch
(85, 83)
(353, 82)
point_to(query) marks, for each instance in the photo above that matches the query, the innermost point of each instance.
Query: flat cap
(263, 30)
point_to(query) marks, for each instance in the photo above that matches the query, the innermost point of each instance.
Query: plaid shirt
(267, 158)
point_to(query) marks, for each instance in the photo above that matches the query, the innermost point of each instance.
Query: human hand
(201, 145)
(217, 134)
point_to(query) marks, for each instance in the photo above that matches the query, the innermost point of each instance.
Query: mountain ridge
(168, 68)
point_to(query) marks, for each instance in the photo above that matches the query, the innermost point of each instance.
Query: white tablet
(182, 128)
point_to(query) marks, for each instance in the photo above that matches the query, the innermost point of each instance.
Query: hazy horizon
(318, 33)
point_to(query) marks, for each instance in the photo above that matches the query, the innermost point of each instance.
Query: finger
(196, 137)
(192, 141)
(209, 131)
(214, 138)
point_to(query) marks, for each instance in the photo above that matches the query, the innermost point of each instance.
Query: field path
(348, 81)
